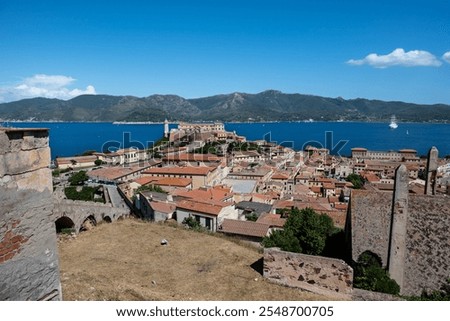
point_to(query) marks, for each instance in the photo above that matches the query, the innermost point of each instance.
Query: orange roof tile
(77, 159)
(188, 157)
(212, 208)
(273, 220)
(173, 181)
(333, 199)
(145, 180)
(188, 170)
(340, 206)
(246, 228)
(163, 207)
(217, 193)
(280, 176)
(112, 173)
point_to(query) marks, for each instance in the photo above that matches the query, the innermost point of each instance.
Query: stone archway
(64, 225)
(88, 223)
(107, 219)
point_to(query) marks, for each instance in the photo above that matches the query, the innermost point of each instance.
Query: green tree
(98, 162)
(356, 180)
(305, 231)
(78, 178)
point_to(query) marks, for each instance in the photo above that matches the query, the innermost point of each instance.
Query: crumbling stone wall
(28, 251)
(317, 274)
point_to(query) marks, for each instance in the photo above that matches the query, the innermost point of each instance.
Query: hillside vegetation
(269, 105)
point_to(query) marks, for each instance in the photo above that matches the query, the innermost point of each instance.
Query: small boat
(393, 124)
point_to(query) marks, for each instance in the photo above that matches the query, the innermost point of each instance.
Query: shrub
(305, 232)
(86, 193)
(370, 275)
(192, 223)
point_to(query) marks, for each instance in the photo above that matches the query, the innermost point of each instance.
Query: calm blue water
(67, 139)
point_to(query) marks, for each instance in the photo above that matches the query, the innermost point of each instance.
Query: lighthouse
(166, 128)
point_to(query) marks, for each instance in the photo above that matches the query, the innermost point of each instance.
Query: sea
(74, 138)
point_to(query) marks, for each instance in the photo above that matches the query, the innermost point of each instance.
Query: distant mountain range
(270, 105)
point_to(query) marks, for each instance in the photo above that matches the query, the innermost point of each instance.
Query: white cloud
(49, 86)
(398, 58)
(446, 56)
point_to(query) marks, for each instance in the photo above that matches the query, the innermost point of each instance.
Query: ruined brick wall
(322, 275)
(370, 219)
(427, 264)
(28, 251)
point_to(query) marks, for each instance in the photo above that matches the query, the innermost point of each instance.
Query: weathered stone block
(4, 143)
(317, 274)
(38, 180)
(25, 161)
(34, 140)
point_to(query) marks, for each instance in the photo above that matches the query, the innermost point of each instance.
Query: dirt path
(125, 261)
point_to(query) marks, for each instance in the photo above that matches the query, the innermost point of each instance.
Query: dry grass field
(126, 261)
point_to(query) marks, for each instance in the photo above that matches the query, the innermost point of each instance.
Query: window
(208, 223)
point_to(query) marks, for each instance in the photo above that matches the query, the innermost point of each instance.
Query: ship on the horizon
(393, 124)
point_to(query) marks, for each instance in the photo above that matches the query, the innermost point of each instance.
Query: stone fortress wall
(408, 231)
(29, 268)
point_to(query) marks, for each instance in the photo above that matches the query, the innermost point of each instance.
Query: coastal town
(238, 187)
(321, 222)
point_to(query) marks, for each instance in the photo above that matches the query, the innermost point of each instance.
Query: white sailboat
(393, 124)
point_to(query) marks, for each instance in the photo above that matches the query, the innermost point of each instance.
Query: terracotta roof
(212, 208)
(163, 207)
(328, 185)
(78, 159)
(359, 149)
(280, 176)
(340, 206)
(273, 220)
(145, 180)
(173, 181)
(371, 177)
(333, 199)
(217, 193)
(188, 170)
(283, 204)
(316, 189)
(261, 196)
(193, 157)
(113, 173)
(246, 228)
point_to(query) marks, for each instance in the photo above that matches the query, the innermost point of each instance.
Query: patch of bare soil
(125, 260)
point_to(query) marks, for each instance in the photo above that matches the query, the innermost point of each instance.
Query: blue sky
(369, 49)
